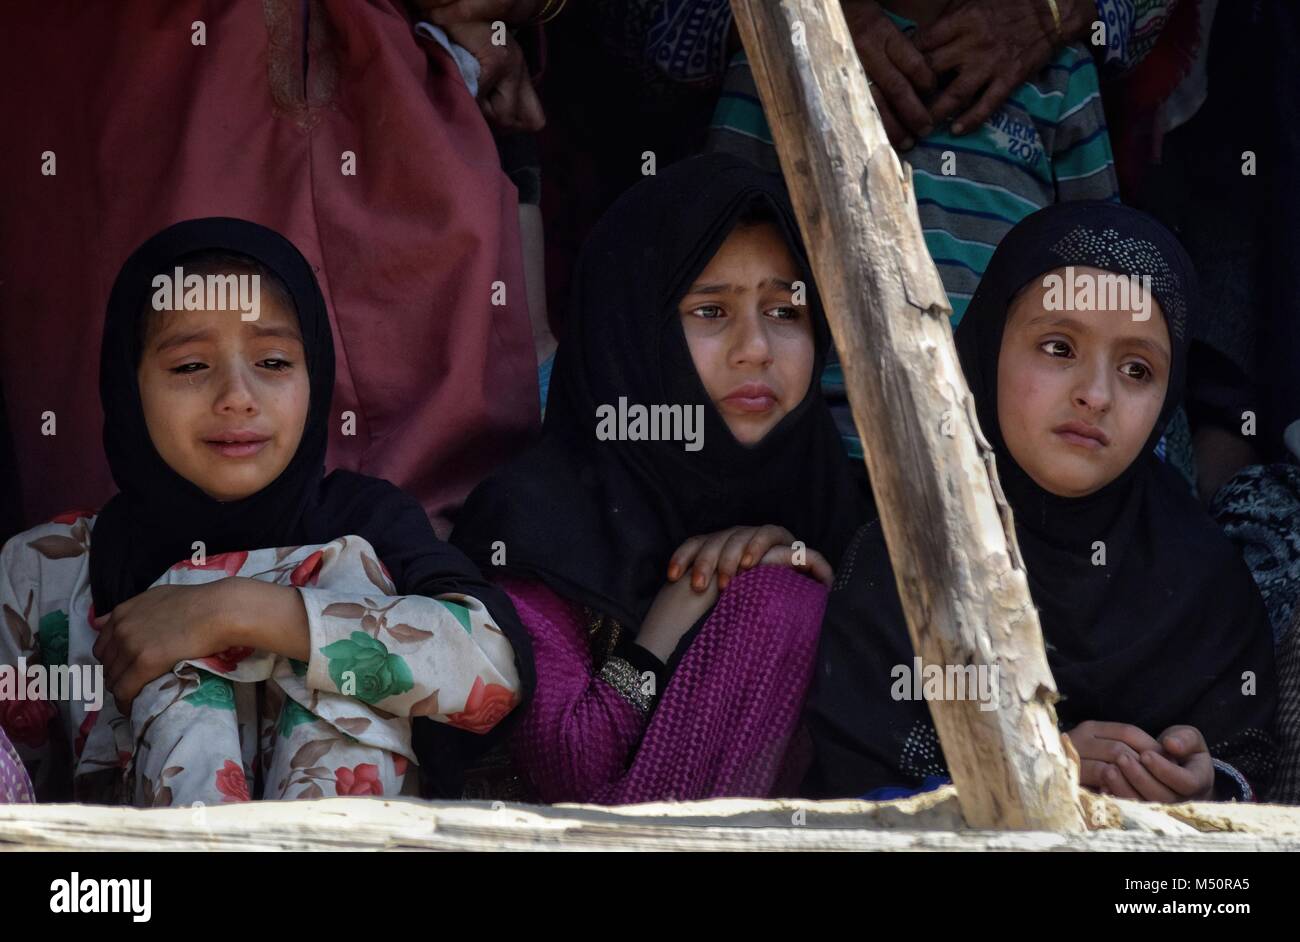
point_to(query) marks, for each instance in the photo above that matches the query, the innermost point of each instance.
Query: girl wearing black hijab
(692, 294)
(1155, 632)
(228, 558)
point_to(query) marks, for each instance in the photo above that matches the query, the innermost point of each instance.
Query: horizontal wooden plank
(927, 823)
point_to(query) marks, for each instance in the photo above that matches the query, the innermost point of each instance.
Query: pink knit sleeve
(578, 733)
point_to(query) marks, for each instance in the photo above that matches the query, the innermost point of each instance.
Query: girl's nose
(236, 393)
(751, 346)
(1094, 389)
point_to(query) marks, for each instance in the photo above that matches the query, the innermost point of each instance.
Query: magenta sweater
(721, 726)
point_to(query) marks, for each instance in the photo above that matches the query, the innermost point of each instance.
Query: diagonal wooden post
(949, 530)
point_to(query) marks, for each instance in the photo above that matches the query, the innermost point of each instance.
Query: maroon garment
(147, 129)
(722, 725)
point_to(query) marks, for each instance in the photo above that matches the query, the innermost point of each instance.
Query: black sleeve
(1236, 715)
(862, 738)
(643, 660)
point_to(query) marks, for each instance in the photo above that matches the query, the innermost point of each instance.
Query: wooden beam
(949, 530)
(926, 822)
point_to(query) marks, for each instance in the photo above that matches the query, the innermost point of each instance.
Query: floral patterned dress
(245, 724)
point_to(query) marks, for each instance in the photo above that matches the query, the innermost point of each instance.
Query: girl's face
(752, 346)
(1079, 391)
(225, 400)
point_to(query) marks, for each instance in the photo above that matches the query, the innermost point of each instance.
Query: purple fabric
(15, 786)
(722, 725)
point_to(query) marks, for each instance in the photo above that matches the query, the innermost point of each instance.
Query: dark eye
(1056, 348)
(708, 312)
(187, 368)
(1137, 371)
(278, 365)
(785, 313)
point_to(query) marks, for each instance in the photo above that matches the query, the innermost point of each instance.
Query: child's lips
(238, 449)
(1082, 434)
(751, 403)
(751, 397)
(1083, 441)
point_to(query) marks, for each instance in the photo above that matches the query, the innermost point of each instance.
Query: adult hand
(447, 12)
(898, 73)
(994, 47)
(505, 89)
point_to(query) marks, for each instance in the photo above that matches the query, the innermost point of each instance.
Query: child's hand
(145, 636)
(675, 609)
(814, 563)
(1104, 750)
(1185, 767)
(1126, 762)
(729, 551)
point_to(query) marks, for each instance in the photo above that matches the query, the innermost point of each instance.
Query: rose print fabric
(338, 724)
(244, 724)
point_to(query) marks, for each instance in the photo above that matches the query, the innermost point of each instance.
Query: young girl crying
(264, 630)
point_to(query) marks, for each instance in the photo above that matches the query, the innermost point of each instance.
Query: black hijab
(596, 521)
(157, 514)
(1159, 635)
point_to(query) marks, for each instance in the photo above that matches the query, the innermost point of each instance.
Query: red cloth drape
(148, 128)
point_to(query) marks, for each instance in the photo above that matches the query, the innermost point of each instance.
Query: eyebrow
(206, 334)
(1079, 327)
(720, 288)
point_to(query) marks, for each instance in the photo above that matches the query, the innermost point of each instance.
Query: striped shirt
(1047, 143)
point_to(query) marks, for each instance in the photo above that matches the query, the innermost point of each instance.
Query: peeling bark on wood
(948, 528)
